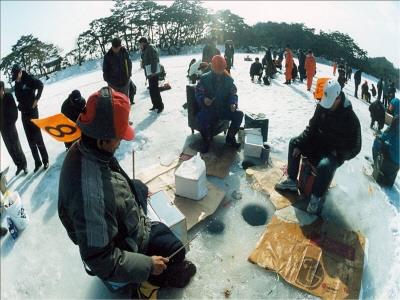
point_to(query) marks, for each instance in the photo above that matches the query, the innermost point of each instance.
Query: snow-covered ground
(43, 262)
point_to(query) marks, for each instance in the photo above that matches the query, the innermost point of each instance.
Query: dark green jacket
(150, 57)
(98, 209)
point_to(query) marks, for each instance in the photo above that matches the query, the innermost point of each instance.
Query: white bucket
(16, 211)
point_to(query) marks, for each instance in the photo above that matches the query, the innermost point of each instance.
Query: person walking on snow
(28, 91)
(288, 64)
(150, 58)
(104, 211)
(311, 68)
(332, 137)
(217, 97)
(117, 67)
(334, 66)
(8, 117)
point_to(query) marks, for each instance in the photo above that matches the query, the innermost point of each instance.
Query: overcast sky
(374, 25)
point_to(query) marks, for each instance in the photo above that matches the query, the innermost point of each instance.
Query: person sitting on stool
(217, 97)
(332, 136)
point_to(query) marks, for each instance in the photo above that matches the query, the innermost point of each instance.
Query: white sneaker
(287, 185)
(315, 205)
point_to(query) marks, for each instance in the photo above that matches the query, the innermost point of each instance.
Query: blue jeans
(209, 117)
(326, 166)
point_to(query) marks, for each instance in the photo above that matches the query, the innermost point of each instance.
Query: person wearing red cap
(217, 97)
(332, 137)
(104, 211)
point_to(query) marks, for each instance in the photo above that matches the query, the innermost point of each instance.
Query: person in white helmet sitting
(332, 137)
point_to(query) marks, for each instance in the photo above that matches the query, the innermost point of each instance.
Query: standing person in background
(72, 107)
(385, 90)
(311, 68)
(210, 50)
(302, 62)
(334, 66)
(373, 90)
(117, 67)
(28, 91)
(229, 53)
(357, 81)
(380, 86)
(151, 61)
(342, 74)
(8, 117)
(349, 71)
(288, 64)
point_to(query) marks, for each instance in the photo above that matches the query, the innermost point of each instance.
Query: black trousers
(356, 89)
(34, 136)
(163, 242)
(155, 95)
(11, 140)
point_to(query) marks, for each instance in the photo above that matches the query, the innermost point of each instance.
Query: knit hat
(14, 71)
(218, 63)
(106, 116)
(75, 95)
(332, 90)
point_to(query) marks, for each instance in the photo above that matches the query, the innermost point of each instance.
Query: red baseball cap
(106, 116)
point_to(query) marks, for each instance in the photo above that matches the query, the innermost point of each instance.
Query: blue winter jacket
(218, 87)
(389, 142)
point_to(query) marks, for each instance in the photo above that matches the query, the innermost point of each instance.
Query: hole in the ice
(254, 214)
(215, 227)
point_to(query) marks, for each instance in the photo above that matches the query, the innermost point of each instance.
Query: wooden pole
(133, 163)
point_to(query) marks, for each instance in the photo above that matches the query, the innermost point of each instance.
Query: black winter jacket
(8, 111)
(377, 111)
(71, 109)
(117, 68)
(25, 91)
(357, 76)
(256, 69)
(329, 132)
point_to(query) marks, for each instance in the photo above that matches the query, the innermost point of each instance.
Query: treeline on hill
(187, 23)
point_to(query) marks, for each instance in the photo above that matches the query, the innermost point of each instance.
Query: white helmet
(332, 90)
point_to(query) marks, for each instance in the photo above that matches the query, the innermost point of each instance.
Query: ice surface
(43, 262)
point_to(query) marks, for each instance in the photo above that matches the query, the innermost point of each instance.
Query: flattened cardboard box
(320, 258)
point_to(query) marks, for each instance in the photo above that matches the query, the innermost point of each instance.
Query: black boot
(3, 231)
(230, 138)
(205, 146)
(37, 166)
(180, 274)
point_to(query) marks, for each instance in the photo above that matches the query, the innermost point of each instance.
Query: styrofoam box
(191, 180)
(253, 142)
(161, 208)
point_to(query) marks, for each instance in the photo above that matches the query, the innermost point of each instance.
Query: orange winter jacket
(310, 65)
(289, 60)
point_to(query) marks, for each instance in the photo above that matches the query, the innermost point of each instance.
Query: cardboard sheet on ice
(59, 127)
(264, 180)
(318, 257)
(218, 160)
(162, 178)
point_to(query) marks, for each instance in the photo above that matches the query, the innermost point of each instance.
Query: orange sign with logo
(319, 88)
(59, 127)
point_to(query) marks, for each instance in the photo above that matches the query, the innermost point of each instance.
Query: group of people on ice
(104, 211)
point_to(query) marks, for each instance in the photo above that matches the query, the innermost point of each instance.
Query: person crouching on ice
(104, 211)
(332, 136)
(217, 97)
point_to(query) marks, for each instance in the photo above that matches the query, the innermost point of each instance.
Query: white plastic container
(16, 210)
(190, 179)
(161, 208)
(253, 142)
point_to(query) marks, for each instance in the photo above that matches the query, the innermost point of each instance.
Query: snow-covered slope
(43, 263)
